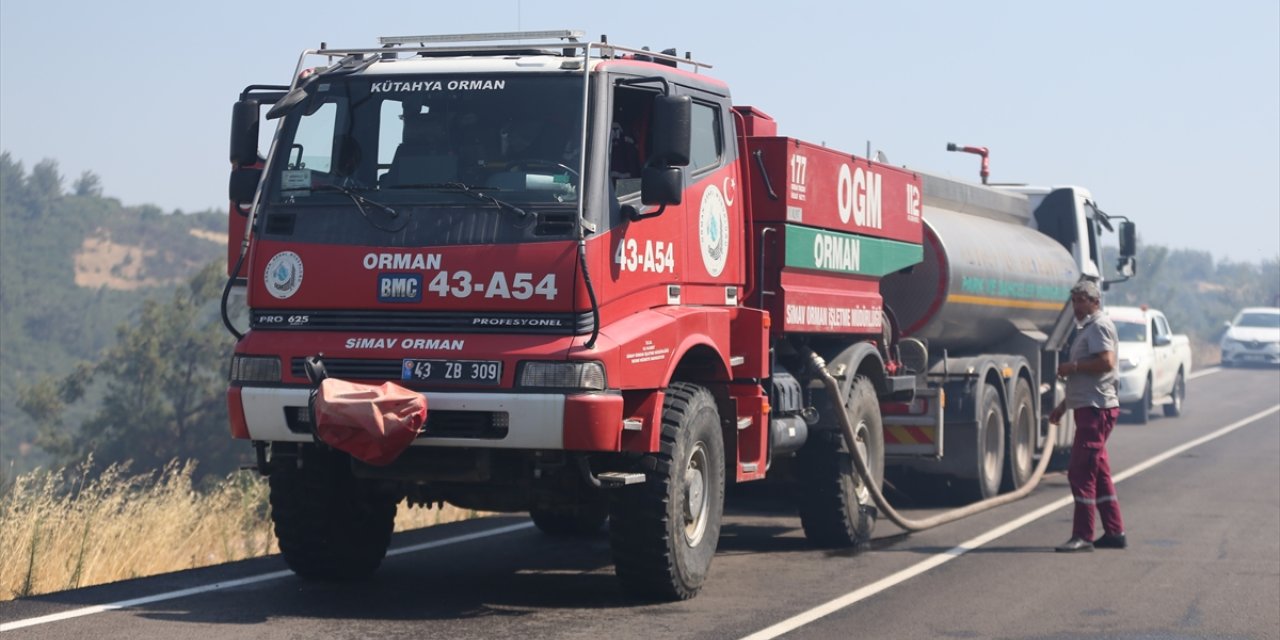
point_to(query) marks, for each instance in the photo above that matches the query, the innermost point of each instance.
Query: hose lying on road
(833, 387)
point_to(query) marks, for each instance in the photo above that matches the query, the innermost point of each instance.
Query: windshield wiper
(475, 192)
(360, 202)
(355, 197)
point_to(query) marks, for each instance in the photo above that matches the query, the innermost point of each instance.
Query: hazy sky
(1169, 112)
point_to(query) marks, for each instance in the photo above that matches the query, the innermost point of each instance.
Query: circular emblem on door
(283, 274)
(713, 231)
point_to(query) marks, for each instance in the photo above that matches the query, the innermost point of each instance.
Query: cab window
(707, 143)
(313, 143)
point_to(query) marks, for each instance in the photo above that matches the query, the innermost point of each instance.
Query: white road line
(1203, 372)
(182, 593)
(848, 599)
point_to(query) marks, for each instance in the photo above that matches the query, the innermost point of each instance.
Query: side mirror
(244, 133)
(242, 185)
(1127, 266)
(672, 130)
(661, 185)
(1128, 239)
(1162, 340)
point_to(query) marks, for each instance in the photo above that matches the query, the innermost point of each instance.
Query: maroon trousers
(1089, 473)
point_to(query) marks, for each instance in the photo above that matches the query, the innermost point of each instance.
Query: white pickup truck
(1153, 362)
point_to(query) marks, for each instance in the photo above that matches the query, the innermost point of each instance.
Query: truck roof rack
(563, 42)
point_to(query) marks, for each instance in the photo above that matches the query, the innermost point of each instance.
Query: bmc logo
(399, 287)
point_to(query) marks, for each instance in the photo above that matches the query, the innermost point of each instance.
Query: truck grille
(421, 321)
(481, 425)
(352, 369)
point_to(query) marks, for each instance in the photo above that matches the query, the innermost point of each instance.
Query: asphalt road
(1203, 562)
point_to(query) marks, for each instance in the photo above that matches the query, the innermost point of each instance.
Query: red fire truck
(615, 290)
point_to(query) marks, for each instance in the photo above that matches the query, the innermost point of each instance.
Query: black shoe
(1111, 541)
(1073, 545)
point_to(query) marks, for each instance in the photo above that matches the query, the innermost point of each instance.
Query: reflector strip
(908, 435)
(1005, 302)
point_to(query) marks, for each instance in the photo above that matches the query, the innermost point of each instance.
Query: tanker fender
(1022, 371)
(859, 358)
(966, 380)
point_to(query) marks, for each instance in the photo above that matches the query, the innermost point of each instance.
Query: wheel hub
(860, 488)
(695, 496)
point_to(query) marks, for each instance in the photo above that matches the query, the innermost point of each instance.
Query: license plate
(452, 371)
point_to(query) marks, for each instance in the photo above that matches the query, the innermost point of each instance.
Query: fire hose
(860, 465)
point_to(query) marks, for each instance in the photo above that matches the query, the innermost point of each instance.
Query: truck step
(614, 479)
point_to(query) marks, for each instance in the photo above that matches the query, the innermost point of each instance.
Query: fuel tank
(987, 272)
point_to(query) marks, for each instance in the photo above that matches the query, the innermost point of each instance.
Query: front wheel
(330, 524)
(1140, 411)
(664, 532)
(1174, 408)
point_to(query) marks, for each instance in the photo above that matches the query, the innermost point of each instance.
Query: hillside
(75, 265)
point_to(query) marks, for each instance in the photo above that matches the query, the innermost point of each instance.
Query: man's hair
(1088, 289)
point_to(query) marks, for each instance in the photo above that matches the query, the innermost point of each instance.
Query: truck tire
(1140, 411)
(330, 524)
(988, 463)
(1176, 397)
(836, 508)
(1020, 442)
(580, 520)
(664, 532)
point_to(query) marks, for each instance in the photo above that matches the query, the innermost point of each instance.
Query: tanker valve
(981, 151)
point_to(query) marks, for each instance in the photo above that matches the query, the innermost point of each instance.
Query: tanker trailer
(982, 320)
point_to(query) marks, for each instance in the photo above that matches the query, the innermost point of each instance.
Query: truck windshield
(410, 142)
(1131, 331)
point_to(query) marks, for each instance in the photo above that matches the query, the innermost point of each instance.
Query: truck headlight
(588, 375)
(255, 369)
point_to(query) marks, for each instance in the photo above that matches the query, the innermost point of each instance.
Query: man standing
(1090, 372)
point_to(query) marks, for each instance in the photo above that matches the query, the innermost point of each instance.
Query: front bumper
(1131, 385)
(1252, 352)
(546, 421)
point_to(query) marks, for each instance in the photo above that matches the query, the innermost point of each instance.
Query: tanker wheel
(663, 532)
(988, 465)
(1021, 440)
(578, 520)
(836, 508)
(330, 524)
(1179, 394)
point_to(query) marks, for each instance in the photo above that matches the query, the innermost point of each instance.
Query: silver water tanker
(987, 272)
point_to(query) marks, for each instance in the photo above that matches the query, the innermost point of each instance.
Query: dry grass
(66, 530)
(1204, 354)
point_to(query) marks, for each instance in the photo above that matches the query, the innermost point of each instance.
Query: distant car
(1254, 336)
(1153, 362)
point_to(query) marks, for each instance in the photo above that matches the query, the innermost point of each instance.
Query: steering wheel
(539, 162)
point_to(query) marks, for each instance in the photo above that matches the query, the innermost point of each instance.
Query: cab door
(713, 226)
